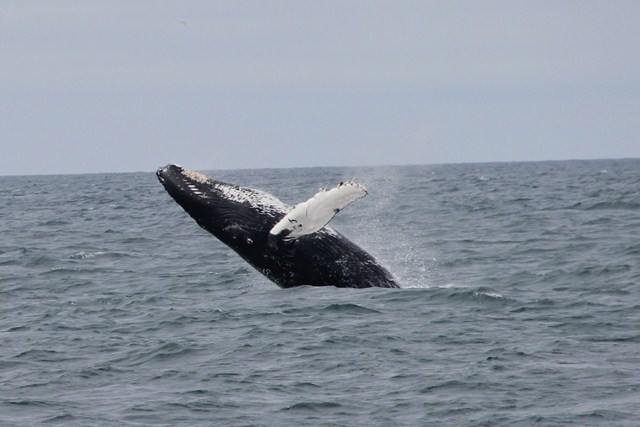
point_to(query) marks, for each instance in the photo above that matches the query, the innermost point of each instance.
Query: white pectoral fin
(310, 216)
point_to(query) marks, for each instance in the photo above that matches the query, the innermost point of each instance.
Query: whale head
(238, 216)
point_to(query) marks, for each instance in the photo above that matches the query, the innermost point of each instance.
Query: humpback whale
(291, 247)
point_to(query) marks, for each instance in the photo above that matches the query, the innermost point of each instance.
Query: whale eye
(249, 241)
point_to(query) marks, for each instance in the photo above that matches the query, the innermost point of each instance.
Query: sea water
(520, 306)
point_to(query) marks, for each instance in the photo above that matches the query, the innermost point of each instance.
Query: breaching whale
(292, 247)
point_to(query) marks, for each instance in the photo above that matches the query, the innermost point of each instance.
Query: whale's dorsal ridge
(312, 215)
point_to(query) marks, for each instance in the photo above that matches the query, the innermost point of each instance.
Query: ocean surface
(520, 306)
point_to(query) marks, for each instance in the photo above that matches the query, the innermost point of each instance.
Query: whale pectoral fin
(310, 216)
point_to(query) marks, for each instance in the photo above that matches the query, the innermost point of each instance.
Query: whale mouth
(181, 182)
(179, 175)
(169, 172)
(163, 173)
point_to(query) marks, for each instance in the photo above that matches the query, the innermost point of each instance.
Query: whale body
(291, 247)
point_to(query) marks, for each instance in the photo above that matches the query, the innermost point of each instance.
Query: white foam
(488, 294)
(85, 255)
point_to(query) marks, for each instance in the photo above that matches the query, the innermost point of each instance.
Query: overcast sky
(117, 86)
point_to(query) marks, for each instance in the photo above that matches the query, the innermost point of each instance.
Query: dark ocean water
(521, 304)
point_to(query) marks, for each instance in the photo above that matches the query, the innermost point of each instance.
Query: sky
(123, 86)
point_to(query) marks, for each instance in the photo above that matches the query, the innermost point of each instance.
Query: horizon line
(325, 166)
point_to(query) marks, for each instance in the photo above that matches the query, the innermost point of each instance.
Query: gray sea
(520, 307)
